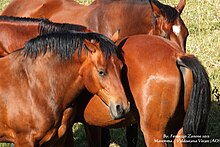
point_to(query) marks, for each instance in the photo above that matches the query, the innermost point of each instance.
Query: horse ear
(91, 46)
(155, 9)
(115, 36)
(180, 6)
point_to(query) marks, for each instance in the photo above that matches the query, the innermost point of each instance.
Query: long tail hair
(195, 121)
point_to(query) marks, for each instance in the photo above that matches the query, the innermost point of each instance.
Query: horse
(150, 17)
(41, 82)
(15, 31)
(161, 13)
(170, 90)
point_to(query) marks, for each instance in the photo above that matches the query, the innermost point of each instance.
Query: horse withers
(40, 84)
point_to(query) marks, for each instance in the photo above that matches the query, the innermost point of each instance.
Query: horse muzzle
(119, 110)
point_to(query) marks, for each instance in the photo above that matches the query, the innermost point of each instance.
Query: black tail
(196, 117)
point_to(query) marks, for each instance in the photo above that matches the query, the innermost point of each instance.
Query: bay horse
(16, 31)
(170, 90)
(41, 82)
(150, 17)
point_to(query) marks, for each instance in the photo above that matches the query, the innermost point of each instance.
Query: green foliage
(3, 4)
(5, 145)
(213, 123)
(85, 2)
(202, 18)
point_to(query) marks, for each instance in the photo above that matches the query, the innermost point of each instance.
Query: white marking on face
(176, 29)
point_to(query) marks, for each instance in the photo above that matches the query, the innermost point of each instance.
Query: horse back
(117, 15)
(28, 8)
(21, 8)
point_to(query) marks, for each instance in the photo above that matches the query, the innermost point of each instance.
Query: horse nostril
(119, 109)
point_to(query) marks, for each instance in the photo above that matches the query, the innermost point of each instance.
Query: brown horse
(18, 10)
(170, 88)
(40, 83)
(15, 31)
(148, 18)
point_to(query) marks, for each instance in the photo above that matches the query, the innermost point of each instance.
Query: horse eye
(101, 72)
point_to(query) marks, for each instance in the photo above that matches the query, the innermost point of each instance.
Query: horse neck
(13, 35)
(59, 79)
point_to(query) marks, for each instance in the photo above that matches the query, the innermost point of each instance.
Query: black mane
(45, 26)
(65, 44)
(21, 19)
(170, 12)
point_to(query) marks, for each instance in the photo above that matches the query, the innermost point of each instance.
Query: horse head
(169, 23)
(101, 72)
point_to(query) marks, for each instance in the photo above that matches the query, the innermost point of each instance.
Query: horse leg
(153, 125)
(132, 135)
(65, 133)
(156, 105)
(93, 134)
(67, 139)
(153, 138)
(105, 137)
(23, 141)
(23, 144)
